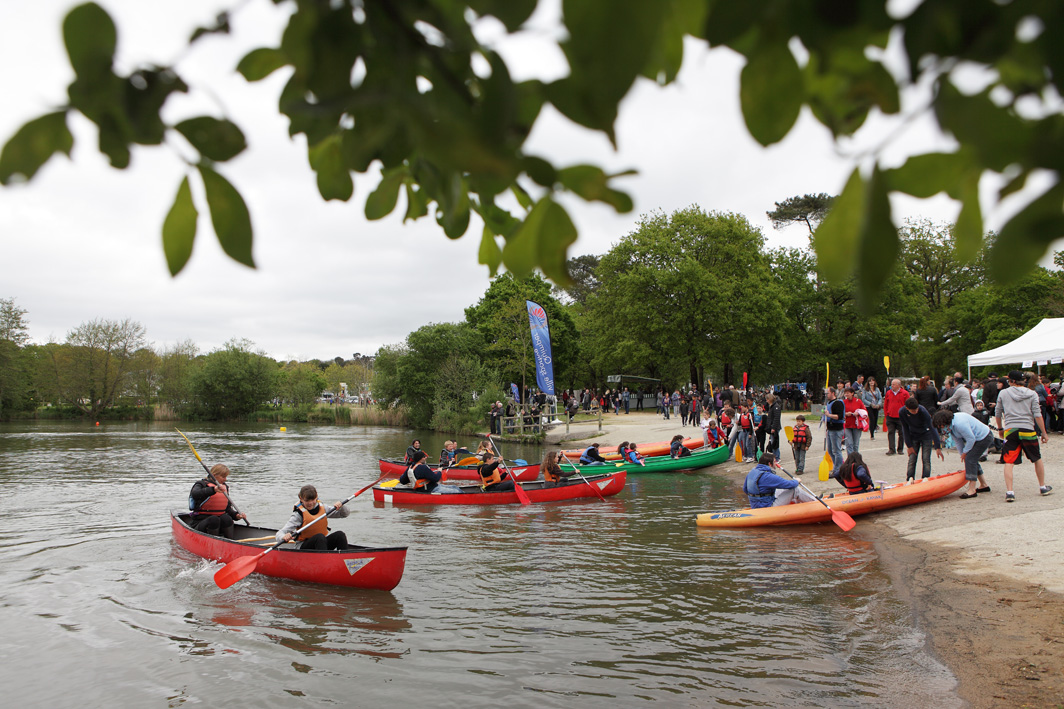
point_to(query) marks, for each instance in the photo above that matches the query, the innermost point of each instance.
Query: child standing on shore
(800, 442)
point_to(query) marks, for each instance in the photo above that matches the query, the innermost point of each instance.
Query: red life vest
(801, 436)
(320, 525)
(848, 477)
(217, 503)
(744, 422)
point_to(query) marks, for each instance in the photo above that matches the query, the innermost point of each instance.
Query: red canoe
(891, 496)
(608, 484)
(645, 449)
(359, 567)
(463, 472)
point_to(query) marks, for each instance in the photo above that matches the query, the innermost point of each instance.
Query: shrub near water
(340, 414)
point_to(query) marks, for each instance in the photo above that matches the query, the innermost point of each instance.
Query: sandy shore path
(985, 578)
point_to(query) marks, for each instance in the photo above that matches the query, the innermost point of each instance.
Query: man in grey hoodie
(1017, 415)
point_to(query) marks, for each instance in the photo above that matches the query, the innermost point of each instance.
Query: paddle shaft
(588, 483)
(522, 496)
(209, 476)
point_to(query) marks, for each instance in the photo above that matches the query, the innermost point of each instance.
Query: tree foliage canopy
(407, 87)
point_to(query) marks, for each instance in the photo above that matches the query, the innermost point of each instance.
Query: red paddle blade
(522, 496)
(236, 570)
(842, 519)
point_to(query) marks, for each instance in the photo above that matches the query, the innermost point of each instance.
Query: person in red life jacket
(492, 479)
(800, 442)
(746, 434)
(423, 478)
(676, 447)
(853, 475)
(212, 510)
(553, 474)
(632, 455)
(413, 450)
(310, 511)
(622, 450)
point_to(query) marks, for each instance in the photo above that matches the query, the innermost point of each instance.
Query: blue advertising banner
(517, 396)
(537, 320)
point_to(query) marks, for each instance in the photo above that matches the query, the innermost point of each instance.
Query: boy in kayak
(766, 489)
(310, 511)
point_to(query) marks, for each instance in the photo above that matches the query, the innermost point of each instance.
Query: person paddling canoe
(491, 478)
(766, 489)
(310, 511)
(425, 479)
(212, 510)
(553, 474)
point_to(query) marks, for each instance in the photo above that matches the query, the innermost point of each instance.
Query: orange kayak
(645, 449)
(890, 496)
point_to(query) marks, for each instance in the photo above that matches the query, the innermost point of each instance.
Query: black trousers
(218, 525)
(336, 540)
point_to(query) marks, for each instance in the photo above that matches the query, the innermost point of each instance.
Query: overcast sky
(82, 241)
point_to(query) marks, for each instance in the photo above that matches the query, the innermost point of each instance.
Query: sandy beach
(985, 578)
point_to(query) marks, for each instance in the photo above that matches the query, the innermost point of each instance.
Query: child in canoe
(676, 447)
(310, 510)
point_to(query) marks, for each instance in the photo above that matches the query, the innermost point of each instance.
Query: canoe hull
(922, 490)
(609, 484)
(663, 463)
(464, 472)
(358, 567)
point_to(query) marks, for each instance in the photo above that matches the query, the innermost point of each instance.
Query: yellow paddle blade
(789, 432)
(471, 460)
(738, 454)
(390, 483)
(826, 465)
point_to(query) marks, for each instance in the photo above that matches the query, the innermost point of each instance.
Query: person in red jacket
(893, 403)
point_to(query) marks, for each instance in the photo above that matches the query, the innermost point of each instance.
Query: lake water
(583, 603)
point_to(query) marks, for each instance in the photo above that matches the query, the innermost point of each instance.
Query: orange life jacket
(491, 478)
(217, 503)
(320, 525)
(551, 476)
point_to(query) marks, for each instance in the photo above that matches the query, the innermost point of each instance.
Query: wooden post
(600, 417)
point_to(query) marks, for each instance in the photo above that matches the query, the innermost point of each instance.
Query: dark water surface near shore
(588, 603)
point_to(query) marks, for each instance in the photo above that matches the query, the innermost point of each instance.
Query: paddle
(839, 517)
(522, 496)
(209, 476)
(239, 568)
(471, 460)
(577, 471)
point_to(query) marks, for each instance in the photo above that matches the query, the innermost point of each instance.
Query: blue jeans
(922, 449)
(853, 440)
(835, 449)
(799, 461)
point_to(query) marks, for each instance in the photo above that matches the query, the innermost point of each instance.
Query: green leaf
(541, 171)
(512, 13)
(215, 138)
(334, 179)
(523, 198)
(33, 145)
(926, 175)
(591, 183)
(490, 254)
(878, 243)
(1027, 236)
(542, 240)
(260, 63)
(381, 201)
(220, 26)
(999, 136)
(114, 140)
(835, 240)
(90, 38)
(681, 18)
(229, 215)
(417, 205)
(968, 231)
(771, 92)
(179, 229)
(145, 93)
(454, 207)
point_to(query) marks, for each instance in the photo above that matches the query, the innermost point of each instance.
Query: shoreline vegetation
(323, 414)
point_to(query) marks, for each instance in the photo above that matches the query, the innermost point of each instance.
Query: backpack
(801, 437)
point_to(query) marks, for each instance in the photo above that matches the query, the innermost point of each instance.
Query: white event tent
(1043, 343)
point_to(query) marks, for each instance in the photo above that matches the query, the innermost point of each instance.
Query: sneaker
(1010, 497)
(1046, 490)
(891, 453)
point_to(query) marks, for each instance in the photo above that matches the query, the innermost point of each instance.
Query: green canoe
(699, 458)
